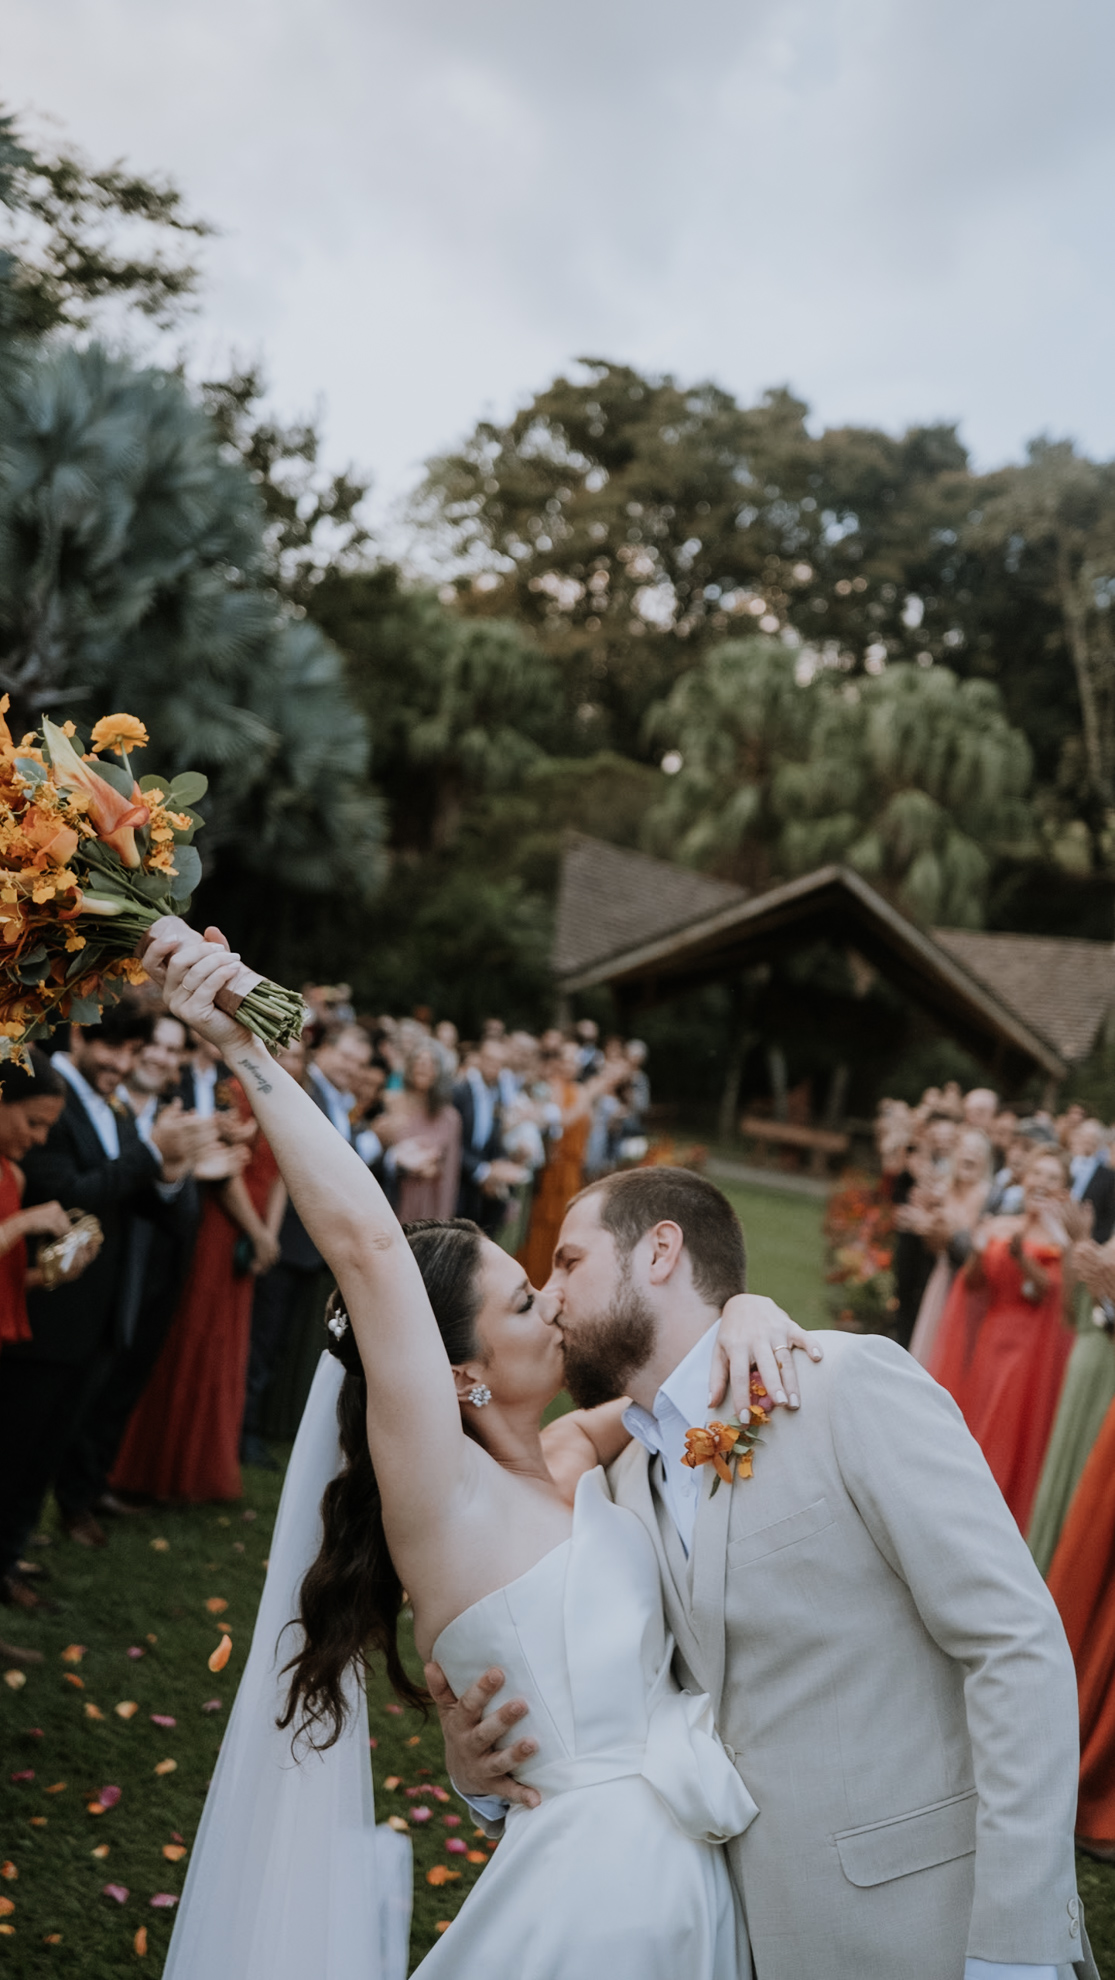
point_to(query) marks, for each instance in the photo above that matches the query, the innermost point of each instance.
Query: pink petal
(28, 1774)
(161, 1719)
(455, 1846)
(109, 1796)
(211, 1705)
(117, 1891)
(452, 1821)
(135, 1651)
(164, 1901)
(373, 1743)
(420, 1814)
(396, 1711)
(439, 1794)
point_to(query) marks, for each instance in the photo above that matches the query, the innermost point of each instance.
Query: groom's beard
(609, 1350)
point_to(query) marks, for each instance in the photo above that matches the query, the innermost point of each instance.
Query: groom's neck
(682, 1321)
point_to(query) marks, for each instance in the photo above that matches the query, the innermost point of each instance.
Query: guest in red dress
(184, 1435)
(1005, 1341)
(1082, 1583)
(30, 1102)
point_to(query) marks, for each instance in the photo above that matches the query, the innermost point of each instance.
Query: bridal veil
(289, 1874)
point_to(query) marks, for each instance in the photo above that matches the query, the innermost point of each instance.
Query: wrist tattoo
(262, 1085)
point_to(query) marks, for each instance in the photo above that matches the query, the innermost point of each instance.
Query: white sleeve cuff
(490, 1810)
(481, 1172)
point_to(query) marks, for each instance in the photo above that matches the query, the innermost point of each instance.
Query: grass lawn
(138, 1596)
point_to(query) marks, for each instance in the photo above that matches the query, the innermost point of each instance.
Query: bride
(512, 1554)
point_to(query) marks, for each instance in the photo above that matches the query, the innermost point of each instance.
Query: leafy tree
(632, 521)
(77, 236)
(133, 572)
(910, 776)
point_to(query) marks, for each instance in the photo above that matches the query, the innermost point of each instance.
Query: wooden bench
(822, 1145)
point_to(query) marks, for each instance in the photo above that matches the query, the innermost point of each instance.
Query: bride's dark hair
(351, 1596)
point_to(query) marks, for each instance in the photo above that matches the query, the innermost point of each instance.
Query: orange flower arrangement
(719, 1443)
(89, 858)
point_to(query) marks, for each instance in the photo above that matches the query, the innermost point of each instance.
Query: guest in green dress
(1086, 1396)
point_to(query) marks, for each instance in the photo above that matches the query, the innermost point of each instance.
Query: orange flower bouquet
(89, 858)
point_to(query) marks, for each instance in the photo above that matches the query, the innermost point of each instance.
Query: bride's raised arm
(411, 1392)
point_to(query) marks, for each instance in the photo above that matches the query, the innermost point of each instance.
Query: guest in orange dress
(563, 1174)
(1004, 1341)
(183, 1439)
(1082, 1583)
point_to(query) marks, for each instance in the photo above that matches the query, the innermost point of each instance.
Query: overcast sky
(902, 208)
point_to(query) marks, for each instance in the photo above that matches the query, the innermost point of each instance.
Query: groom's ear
(667, 1242)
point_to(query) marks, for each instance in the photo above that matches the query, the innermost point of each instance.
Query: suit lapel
(647, 1504)
(707, 1567)
(88, 1142)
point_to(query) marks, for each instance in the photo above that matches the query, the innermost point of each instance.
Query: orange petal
(475, 1856)
(126, 1709)
(58, 1788)
(392, 1781)
(174, 1852)
(9, 1872)
(221, 1654)
(414, 1739)
(71, 1677)
(139, 1943)
(167, 1767)
(397, 1822)
(73, 1653)
(100, 1852)
(93, 1712)
(216, 1605)
(722, 1469)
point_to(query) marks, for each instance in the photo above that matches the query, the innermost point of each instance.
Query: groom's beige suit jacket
(892, 1679)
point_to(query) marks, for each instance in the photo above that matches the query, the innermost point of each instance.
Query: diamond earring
(480, 1394)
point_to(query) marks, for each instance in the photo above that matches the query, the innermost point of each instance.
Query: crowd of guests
(160, 1300)
(1004, 1274)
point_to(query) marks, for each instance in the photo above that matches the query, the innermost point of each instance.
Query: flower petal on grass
(397, 1822)
(392, 1781)
(211, 1705)
(109, 1796)
(15, 1680)
(163, 1901)
(167, 1767)
(221, 1654)
(6, 1907)
(100, 1852)
(441, 1874)
(139, 1943)
(93, 1712)
(71, 1677)
(475, 1856)
(37, 1821)
(161, 1719)
(456, 1847)
(174, 1852)
(26, 1774)
(136, 1651)
(160, 1546)
(126, 1709)
(216, 1605)
(73, 1653)
(420, 1814)
(52, 1939)
(8, 1871)
(58, 1788)
(118, 1891)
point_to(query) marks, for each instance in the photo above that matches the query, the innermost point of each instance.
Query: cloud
(901, 207)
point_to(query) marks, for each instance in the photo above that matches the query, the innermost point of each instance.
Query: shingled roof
(650, 929)
(611, 899)
(1063, 988)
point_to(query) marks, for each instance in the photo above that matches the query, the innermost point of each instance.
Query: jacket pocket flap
(783, 1533)
(917, 1841)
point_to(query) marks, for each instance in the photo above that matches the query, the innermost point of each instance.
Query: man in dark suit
(157, 1258)
(1093, 1181)
(486, 1174)
(94, 1160)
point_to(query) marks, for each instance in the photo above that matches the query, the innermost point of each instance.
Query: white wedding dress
(618, 1873)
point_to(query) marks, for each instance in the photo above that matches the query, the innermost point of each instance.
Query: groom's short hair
(636, 1199)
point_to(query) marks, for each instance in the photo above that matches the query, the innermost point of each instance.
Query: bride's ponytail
(351, 1597)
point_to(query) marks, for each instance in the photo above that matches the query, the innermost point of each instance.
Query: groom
(883, 1659)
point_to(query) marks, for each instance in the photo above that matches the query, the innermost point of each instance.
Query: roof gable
(610, 899)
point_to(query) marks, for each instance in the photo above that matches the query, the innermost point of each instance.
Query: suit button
(1074, 1928)
(1074, 1907)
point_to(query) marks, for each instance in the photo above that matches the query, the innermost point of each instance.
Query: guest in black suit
(93, 1160)
(157, 1259)
(1093, 1180)
(486, 1174)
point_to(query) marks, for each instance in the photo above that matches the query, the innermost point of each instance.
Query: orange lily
(711, 1446)
(114, 818)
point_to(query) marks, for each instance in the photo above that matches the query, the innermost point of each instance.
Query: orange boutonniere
(719, 1444)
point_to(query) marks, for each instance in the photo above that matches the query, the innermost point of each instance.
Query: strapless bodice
(582, 1638)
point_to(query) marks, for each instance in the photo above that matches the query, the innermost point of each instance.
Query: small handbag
(58, 1257)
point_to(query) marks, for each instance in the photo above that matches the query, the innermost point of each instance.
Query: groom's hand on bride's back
(476, 1756)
